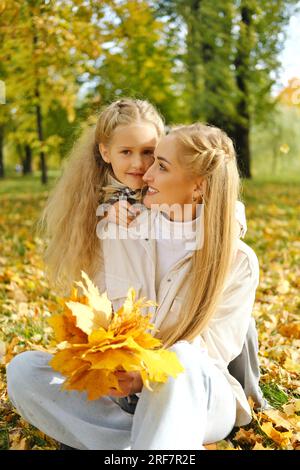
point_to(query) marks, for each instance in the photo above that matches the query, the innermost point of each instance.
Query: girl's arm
(122, 213)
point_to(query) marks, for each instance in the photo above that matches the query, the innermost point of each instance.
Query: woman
(204, 284)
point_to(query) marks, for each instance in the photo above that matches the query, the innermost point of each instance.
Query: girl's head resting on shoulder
(126, 134)
(121, 144)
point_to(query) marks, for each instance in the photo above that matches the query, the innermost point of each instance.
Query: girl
(108, 162)
(205, 299)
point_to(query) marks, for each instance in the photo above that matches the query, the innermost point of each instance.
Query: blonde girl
(205, 298)
(106, 163)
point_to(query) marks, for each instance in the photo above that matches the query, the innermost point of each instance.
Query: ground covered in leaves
(26, 302)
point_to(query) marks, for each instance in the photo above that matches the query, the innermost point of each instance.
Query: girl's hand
(121, 213)
(129, 382)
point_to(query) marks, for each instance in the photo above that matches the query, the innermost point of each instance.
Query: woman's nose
(148, 175)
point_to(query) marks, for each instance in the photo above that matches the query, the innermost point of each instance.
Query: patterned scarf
(115, 191)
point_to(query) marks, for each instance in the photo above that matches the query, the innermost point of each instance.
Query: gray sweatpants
(196, 408)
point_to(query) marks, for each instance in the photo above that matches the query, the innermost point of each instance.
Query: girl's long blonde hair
(69, 217)
(208, 152)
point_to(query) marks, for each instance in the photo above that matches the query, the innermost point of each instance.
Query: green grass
(274, 395)
(29, 184)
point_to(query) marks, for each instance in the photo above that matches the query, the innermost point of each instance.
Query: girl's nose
(137, 162)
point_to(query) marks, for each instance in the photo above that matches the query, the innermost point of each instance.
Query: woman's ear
(104, 152)
(201, 185)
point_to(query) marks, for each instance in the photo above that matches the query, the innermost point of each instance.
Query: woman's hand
(122, 213)
(129, 382)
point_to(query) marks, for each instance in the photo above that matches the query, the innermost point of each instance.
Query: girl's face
(168, 183)
(131, 152)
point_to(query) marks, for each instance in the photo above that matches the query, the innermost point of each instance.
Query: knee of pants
(20, 370)
(190, 356)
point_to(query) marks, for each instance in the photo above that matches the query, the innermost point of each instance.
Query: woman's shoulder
(246, 260)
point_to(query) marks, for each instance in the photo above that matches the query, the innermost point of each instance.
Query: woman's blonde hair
(208, 152)
(69, 217)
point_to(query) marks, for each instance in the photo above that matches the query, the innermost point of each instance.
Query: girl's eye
(125, 152)
(161, 167)
(149, 152)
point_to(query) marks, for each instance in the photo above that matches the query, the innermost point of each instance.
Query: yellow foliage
(94, 344)
(278, 434)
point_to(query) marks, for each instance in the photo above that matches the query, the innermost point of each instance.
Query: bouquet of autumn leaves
(94, 343)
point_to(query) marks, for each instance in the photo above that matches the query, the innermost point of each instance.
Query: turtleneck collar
(177, 230)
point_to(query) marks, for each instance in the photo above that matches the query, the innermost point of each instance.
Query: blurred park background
(232, 63)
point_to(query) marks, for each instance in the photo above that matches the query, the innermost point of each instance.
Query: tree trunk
(242, 128)
(39, 121)
(193, 56)
(27, 161)
(2, 172)
(242, 144)
(39, 117)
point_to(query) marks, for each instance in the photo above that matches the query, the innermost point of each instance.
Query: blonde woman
(204, 283)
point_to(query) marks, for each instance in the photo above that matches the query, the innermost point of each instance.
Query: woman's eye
(161, 167)
(125, 152)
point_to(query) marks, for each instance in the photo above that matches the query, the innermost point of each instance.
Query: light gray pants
(195, 408)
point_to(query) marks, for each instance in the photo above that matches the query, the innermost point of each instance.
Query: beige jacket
(132, 261)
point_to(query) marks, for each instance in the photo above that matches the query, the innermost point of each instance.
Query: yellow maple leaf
(90, 291)
(291, 330)
(89, 320)
(129, 302)
(66, 362)
(113, 359)
(278, 434)
(291, 366)
(97, 313)
(259, 446)
(278, 418)
(65, 328)
(18, 442)
(161, 363)
(95, 382)
(224, 445)
(247, 436)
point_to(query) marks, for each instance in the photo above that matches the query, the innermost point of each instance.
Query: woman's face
(168, 183)
(130, 152)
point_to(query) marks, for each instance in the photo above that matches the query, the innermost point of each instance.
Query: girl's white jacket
(128, 259)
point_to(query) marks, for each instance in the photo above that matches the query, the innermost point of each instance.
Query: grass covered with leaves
(26, 302)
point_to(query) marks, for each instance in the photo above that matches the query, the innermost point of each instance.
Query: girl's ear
(104, 153)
